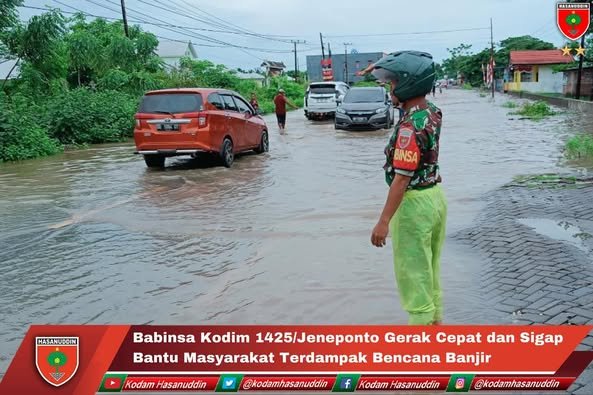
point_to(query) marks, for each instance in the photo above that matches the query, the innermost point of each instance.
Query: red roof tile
(545, 56)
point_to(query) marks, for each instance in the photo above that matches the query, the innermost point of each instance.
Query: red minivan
(174, 122)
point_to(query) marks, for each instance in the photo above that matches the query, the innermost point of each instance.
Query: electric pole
(346, 62)
(125, 18)
(296, 64)
(492, 58)
(322, 47)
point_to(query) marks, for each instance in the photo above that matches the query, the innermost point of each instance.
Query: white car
(322, 98)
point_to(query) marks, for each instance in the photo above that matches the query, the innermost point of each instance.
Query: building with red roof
(533, 71)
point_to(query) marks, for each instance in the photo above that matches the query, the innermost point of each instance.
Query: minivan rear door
(170, 118)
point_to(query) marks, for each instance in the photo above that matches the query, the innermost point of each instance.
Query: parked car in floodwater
(365, 108)
(174, 122)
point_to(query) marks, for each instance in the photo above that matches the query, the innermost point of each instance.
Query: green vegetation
(580, 147)
(81, 82)
(510, 104)
(536, 110)
(467, 86)
(366, 84)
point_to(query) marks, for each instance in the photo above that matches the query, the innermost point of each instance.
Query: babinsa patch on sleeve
(404, 137)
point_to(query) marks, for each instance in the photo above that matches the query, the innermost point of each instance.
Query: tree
(8, 20)
(40, 45)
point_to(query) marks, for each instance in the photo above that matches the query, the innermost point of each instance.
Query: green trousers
(418, 234)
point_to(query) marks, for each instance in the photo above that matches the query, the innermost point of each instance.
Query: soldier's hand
(379, 235)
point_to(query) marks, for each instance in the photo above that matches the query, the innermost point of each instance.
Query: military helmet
(414, 72)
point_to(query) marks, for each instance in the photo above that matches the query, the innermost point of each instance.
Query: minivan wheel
(154, 161)
(226, 153)
(264, 144)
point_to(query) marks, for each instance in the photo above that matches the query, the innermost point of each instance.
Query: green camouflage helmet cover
(414, 72)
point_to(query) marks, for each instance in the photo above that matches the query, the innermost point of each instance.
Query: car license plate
(168, 127)
(359, 119)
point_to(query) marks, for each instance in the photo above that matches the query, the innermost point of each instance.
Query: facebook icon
(345, 383)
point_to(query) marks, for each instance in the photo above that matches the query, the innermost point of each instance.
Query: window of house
(526, 77)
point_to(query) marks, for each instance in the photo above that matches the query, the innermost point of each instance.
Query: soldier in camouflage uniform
(416, 208)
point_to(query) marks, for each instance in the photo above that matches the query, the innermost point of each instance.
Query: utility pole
(296, 64)
(346, 62)
(125, 18)
(322, 47)
(492, 57)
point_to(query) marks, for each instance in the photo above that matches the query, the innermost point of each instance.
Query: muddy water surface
(94, 237)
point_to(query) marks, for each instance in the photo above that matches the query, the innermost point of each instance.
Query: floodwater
(93, 236)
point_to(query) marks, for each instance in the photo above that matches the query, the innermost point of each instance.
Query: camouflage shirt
(413, 149)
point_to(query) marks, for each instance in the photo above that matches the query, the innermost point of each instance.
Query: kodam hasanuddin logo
(573, 19)
(56, 358)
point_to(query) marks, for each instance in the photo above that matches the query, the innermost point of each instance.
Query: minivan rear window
(166, 103)
(322, 89)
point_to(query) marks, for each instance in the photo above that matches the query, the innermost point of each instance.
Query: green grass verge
(579, 147)
(537, 110)
(510, 104)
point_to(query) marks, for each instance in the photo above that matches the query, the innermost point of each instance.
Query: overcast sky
(340, 21)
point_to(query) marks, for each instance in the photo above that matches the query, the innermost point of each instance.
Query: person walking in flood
(280, 101)
(416, 208)
(254, 103)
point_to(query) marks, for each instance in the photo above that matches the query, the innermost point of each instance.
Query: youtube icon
(112, 383)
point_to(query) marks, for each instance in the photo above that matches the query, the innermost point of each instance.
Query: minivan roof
(328, 83)
(205, 91)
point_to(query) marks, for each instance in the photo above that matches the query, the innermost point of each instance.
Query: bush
(536, 110)
(21, 135)
(85, 117)
(510, 104)
(467, 86)
(580, 146)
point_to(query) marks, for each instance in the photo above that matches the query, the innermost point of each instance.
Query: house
(273, 68)
(171, 52)
(570, 81)
(533, 71)
(9, 66)
(257, 78)
(356, 62)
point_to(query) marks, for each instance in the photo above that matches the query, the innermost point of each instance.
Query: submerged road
(93, 236)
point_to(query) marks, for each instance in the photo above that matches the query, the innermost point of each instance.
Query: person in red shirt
(280, 101)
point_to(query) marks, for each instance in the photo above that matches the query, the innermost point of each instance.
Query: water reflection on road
(95, 237)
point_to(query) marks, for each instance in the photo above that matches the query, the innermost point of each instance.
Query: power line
(191, 34)
(167, 8)
(165, 26)
(138, 21)
(408, 33)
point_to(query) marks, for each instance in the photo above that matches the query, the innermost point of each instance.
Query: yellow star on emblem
(566, 51)
(580, 51)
